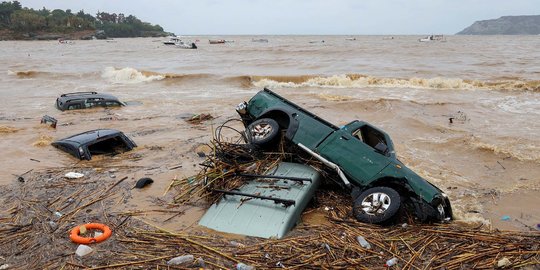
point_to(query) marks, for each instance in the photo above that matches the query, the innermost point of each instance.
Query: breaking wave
(360, 80)
(128, 75)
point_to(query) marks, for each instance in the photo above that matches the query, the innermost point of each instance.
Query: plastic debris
(53, 225)
(143, 182)
(73, 175)
(236, 244)
(4, 266)
(363, 242)
(505, 218)
(58, 214)
(504, 262)
(83, 250)
(391, 262)
(242, 266)
(200, 262)
(184, 259)
(82, 229)
(326, 246)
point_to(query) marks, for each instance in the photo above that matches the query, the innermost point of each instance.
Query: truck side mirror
(381, 148)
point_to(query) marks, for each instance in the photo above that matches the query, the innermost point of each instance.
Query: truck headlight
(241, 108)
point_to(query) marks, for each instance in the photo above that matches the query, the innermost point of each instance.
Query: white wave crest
(346, 81)
(128, 76)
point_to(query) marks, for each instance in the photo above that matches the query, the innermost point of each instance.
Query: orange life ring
(75, 237)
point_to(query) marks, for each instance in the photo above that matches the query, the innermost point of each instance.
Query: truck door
(354, 151)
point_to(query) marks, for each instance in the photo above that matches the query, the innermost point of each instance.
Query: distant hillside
(506, 25)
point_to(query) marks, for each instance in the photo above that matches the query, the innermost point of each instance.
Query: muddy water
(487, 158)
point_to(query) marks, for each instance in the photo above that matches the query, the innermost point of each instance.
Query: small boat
(216, 41)
(316, 41)
(351, 38)
(262, 40)
(433, 38)
(186, 45)
(172, 41)
(63, 41)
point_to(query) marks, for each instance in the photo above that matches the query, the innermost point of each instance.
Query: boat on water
(262, 40)
(351, 38)
(186, 45)
(216, 41)
(172, 41)
(431, 38)
(63, 41)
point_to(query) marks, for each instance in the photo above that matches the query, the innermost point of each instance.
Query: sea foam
(360, 81)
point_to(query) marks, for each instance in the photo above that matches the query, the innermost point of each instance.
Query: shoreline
(7, 35)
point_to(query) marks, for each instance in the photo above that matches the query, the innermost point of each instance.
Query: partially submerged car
(85, 100)
(95, 142)
(362, 155)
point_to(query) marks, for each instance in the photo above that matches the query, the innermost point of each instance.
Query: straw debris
(37, 215)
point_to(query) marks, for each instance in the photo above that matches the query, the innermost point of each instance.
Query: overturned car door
(95, 142)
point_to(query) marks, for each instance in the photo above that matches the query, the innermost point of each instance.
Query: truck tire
(263, 131)
(377, 205)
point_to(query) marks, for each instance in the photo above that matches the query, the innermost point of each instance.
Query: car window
(369, 136)
(74, 106)
(111, 103)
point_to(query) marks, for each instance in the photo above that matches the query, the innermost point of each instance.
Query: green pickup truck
(362, 155)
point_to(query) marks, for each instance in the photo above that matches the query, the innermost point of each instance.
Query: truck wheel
(263, 131)
(376, 205)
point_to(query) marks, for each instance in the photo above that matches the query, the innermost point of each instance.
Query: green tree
(27, 20)
(6, 9)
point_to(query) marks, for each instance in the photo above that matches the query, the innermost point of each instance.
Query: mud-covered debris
(199, 118)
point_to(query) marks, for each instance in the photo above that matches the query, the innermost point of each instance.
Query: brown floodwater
(487, 158)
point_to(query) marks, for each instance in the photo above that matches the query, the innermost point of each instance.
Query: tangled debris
(37, 215)
(229, 162)
(35, 231)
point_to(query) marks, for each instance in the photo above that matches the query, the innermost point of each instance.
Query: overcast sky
(303, 17)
